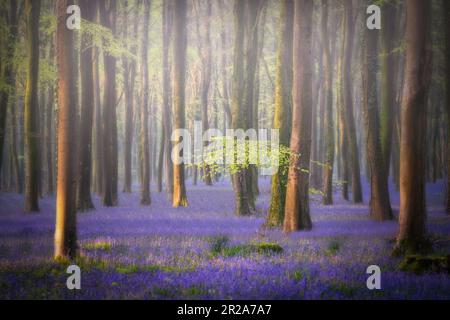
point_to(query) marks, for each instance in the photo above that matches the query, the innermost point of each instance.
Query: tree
(179, 75)
(349, 120)
(297, 215)
(380, 207)
(206, 56)
(417, 77)
(9, 76)
(283, 108)
(110, 169)
(31, 126)
(388, 77)
(84, 202)
(65, 231)
(144, 140)
(129, 66)
(242, 206)
(167, 127)
(328, 117)
(447, 90)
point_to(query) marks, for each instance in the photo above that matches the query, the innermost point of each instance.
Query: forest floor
(206, 252)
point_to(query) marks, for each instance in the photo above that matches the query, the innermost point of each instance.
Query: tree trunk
(167, 127)
(328, 121)
(179, 75)
(65, 231)
(238, 119)
(144, 139)
(380, 206)
(297, 215)
(206, 82)
(283, 109)
(413, 123)
(447, 90)
(129, 80)
(108, 19)
(32, 139)
(348, 102)
(98, 132)
(388, 77)
(84, 201)
(9, 77)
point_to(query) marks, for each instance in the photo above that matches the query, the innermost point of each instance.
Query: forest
(103, 166)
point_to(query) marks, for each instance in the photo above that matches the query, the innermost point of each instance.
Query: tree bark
(348, 102)
(328, 121)
(129, 80)
(447, 90)
(239, 180)
(380, 207)
(84, 202)
(283, 109)
(417, 76)
(179, 75)
(167, 127)
(32, 138)
(108, 19)
(144, 139)
(9, 77)
(297, 215)
(388, 77)
(65, 231)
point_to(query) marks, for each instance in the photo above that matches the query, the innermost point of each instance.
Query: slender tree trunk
(144, 139)
(447, 90)
(413, 123)
(108, 19)
(380, 206)
(297, 215)
(167, 127)
(238, 117)
(206, 56)
(129, 80)
(32, 139)
(49, 125)
(388, 77)
(98, 136)
(329, 127)
(283, 109)
(348, 103)
(223, 40)
(179, 75)
(9, 77)
(65, 231)
(84, 201)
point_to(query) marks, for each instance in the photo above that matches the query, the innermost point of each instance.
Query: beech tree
(144, 139)
(297, 215)
(31, 112)
(348, 117)
(65, 231)
(380, 207)
(412, 228)
(283, 108)
(179, 76)
(84, 202)
(108, 20)
(446, 7)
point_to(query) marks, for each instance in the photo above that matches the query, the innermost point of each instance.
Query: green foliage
(252, 154)
(98, 245)
(333, 247)
(219, 246)
(102, 37)
(420, 264)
